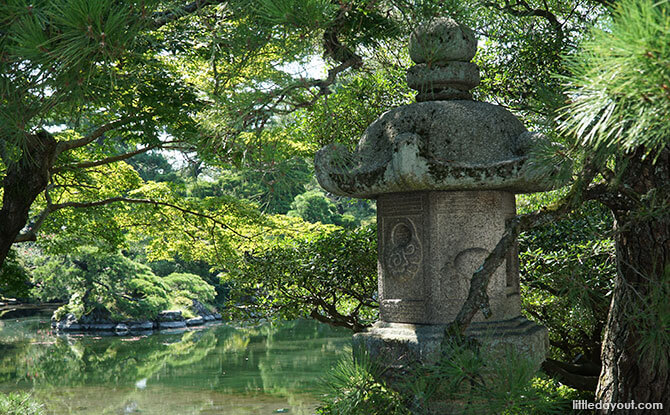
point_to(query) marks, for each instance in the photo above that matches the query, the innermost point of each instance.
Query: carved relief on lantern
(403, 250)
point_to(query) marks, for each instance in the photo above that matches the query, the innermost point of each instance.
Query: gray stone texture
(445, 141)
(170, 315)
(401, 344)
(441, 94)
(441, 41)
(100, 326)
(121, 329)
(168, 319)
(458, 75)
(436, 145)
(140, 325)
(430, 244)
(171, 325)
(195, 321)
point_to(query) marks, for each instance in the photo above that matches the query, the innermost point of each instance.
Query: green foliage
(51, 278)
(114, 286)
(101, 226)
(464, 380)
(313, 206)
(619, 90)
(153, 166)
(522, 46)
(331, 277)
(354, 387)
(71, 59)
(567, 273)
(272, 186)
(473, 381)
(19, 403)
(356, 102)
(300, 14)
(210, 229)
(189, 286)
(14, 277)
(110, 284)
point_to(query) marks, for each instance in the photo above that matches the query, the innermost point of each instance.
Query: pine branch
(162, 18)
(31, 234)
(478, 298)
(606, 3)
(146, 202)
(97, 133)
(110, 160)
(520, 8)
(278, 97)
(332, 45)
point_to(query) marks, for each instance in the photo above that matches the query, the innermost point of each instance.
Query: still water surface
(220, 369)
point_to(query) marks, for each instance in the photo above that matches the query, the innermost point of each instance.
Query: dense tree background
(179, 135)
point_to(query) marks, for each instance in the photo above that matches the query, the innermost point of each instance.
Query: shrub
(14, 278)
(19, 403)
(107, 284)
(567, 273)
(331, 277)
(190, 286)
(464, 380)
(356, 388)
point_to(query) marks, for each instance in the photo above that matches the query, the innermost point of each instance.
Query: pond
(219, 369)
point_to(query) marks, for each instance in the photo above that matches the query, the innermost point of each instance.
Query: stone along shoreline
(168, 319)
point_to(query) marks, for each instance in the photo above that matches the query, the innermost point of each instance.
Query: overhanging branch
(97, 133)
(162, 18)
(108, 160)
(31, 234)
(145, 202)
(478, 298)
(521, 8)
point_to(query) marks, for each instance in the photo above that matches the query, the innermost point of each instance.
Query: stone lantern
(444, 172)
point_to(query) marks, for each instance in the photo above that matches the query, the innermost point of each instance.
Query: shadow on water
(220, 369)
(14, 311)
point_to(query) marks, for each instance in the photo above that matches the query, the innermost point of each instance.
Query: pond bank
(16, 309)
(168, 319)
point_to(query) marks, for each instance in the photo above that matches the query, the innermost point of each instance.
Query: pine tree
(87, 84)
(620, 113)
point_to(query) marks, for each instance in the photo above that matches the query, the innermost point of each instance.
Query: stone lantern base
(398, 345)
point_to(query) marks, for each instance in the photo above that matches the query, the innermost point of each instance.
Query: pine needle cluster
(620, 88)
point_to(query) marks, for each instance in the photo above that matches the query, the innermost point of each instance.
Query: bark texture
(642, 212)
(25, 179)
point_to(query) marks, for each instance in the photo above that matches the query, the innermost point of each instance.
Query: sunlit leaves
(567, 273)
(331, 277)
(356, 102)
(620, 93)
(299, 13)
(54, 52)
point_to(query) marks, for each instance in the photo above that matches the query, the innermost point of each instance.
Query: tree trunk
(24, 181)
(635, 367)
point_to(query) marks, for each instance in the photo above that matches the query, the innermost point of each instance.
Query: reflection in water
(222, 369)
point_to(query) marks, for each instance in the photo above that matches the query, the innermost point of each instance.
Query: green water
(221, 369)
